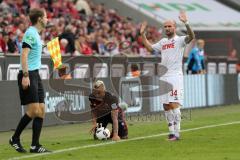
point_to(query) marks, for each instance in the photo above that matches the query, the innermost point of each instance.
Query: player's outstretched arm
(115, 125)
(183, 18)
(94, 123)
(146, 43)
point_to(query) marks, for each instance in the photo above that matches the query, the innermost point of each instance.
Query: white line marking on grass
(112, 142)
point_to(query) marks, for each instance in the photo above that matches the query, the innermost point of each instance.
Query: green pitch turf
(214, 142)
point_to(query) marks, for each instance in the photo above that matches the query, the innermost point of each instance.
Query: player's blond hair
(99, 83)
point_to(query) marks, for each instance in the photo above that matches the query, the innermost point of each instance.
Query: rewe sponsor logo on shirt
(168, 46)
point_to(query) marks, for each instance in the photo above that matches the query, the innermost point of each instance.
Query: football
(103, 133)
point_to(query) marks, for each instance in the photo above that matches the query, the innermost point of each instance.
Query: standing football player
(171, 49)
(105, 109)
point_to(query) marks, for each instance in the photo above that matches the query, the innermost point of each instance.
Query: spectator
(63, 45)
(195, 62)
(76, 18)
(99, 46)
(18, 42)
(135, 48)
(69, 36)
(62, 73)
(20, 28)
(238, 67)
(112, 46)
(83, 7)
(12, 48)
(233, 55)
(3, 41)
(201, 44)
(83, 47)
(134, 71)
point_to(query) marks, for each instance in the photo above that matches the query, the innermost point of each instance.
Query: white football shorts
(171, 89)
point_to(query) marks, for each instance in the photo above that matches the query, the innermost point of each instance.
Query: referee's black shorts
(35, 92)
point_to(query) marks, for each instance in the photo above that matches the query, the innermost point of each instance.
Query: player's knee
(177, 118)
(40, 110)
(33, 110)
(169, 116)
(35, 113)
(177, 115)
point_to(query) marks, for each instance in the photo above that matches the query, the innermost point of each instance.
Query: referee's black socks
(36, 128)
(21, 125)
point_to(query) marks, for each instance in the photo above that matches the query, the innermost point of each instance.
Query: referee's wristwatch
(25, 74)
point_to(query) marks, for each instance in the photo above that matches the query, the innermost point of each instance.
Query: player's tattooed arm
(146, 43)
(191, 35)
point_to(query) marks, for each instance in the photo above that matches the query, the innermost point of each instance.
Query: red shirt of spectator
(83, 47)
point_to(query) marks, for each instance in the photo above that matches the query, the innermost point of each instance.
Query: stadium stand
(88, 27)
(78, 26)
(235, 4)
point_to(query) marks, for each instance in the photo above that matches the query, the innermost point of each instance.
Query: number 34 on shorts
(176, 94)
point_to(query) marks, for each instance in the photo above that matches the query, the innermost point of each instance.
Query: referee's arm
(25, 52)
(94, 122)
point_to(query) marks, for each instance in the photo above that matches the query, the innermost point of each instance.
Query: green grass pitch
(213, 141)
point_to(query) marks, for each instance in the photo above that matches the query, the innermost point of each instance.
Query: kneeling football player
(105, 109)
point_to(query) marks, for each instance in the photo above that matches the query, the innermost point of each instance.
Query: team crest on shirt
(29, 39)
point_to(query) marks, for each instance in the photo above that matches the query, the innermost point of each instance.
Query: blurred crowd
(84, 28)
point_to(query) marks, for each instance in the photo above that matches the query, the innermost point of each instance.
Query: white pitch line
(112, 142)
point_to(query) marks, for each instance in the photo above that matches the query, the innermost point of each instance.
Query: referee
(30, 84)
